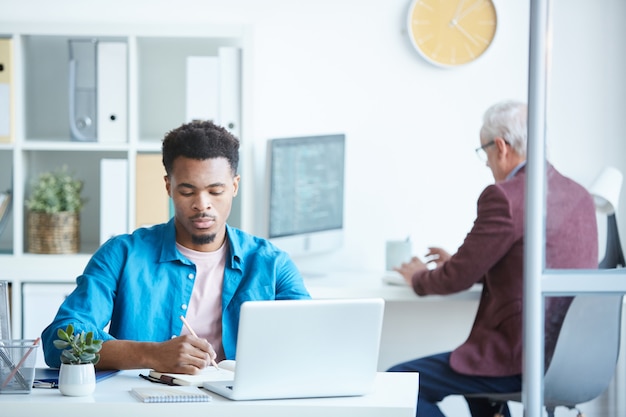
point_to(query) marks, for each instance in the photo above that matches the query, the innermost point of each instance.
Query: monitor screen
(306, 193)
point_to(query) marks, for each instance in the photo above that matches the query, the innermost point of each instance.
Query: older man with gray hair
(490, 360)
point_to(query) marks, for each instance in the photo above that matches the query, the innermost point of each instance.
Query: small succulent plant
(77, 348)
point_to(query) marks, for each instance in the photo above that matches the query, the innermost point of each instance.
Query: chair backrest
(586, 351)
(614, 256)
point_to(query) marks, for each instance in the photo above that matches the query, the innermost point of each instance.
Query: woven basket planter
(53, 233)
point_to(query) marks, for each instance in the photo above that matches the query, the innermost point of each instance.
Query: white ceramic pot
(77, 380)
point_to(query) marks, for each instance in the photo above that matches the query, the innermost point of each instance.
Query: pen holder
(17, 365)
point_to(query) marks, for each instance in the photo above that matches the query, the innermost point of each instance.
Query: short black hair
(200, 140)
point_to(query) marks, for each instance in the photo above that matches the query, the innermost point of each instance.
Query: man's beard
(203, 239)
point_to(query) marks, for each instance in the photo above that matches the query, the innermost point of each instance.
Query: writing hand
(186, 354)
(188, 326)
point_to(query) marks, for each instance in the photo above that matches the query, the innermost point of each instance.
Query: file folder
(82, 89)
(5, 311)
(202, 88)
(6, 204)
(113, 198)
(152, 204)
(6, 90)
(229, 95)
(112, 92)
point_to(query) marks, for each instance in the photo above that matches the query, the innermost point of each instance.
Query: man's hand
(185, 355)
(409, 268)
(182, 355)
(437, 255)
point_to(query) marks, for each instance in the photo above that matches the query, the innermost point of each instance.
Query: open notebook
(224, 373)
(305, 348)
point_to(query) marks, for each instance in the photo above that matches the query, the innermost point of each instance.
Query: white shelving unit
(156, 99)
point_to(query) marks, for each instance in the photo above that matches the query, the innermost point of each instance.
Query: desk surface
(370, 284)
(394, 395)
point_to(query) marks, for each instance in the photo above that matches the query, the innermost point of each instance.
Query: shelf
(66, 145)
(155, 69)
(156, 73)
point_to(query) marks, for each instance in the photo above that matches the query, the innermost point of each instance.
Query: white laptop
(305, 349)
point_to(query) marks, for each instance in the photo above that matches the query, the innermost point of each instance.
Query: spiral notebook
(170, 394)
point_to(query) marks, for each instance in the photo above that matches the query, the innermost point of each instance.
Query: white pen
(195, 335)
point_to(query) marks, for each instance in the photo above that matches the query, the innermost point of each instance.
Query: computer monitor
(306, 193)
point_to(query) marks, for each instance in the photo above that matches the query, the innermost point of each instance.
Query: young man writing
(195, 265)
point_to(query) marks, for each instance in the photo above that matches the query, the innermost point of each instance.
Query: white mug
(397, 252)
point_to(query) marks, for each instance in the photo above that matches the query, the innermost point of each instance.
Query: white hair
(509, 121)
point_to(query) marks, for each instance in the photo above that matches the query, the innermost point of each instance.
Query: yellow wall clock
(450, 33)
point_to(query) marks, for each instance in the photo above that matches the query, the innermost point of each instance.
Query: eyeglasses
(481, 150)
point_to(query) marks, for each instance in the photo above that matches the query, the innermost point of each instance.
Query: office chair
(584, 358)
(606, 190)
(587, 349)
(614, 256)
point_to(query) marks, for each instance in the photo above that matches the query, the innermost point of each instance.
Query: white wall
(411, 127)
(331, 66)
(587, 94)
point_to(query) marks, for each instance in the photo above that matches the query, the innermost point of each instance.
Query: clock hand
(469, 10)
(464, 32)
(457, 12)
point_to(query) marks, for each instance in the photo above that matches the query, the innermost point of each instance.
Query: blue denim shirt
(140, 284)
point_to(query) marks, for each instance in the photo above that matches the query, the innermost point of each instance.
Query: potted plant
(54, 213)
(77, 376)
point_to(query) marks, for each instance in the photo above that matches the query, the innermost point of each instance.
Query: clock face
(452, 32)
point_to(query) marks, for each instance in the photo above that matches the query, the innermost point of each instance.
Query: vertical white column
(534, 250)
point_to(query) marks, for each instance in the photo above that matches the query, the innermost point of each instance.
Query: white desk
(413, 326)
(370, 284)
(395, 395)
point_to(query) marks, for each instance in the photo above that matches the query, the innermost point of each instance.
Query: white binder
(83, 89)
(230, 89)
(112, 64)
(202, 91)
(113, 198)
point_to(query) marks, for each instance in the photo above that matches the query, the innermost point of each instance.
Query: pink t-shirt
(204, 312)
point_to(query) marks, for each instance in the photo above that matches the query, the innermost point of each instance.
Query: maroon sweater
(492, 254)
